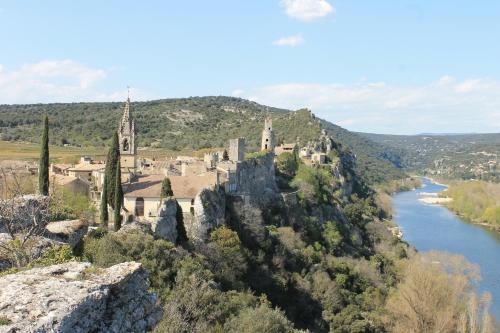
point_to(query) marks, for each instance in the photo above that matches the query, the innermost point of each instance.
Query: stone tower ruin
(237, 150)
(268, 135)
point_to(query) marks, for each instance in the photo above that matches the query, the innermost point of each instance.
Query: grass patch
(5, 321)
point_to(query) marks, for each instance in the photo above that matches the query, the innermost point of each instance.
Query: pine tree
(43, 169)
(118, 197)
(225, 155)
(110, 175)
(166, 189)
(181, 230)
(104, 205)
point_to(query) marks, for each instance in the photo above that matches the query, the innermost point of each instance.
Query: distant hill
(191, 123)
(462, 156)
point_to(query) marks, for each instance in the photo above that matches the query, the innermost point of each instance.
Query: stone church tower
(268, 135)
(126, 139)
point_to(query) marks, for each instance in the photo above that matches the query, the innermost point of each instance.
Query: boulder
(209, 213)
(76, 297)
(69, 231)
(165, 226)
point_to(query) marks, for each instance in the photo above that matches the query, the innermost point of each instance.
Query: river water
(432, 227)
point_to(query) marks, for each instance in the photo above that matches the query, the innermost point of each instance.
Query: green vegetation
(5, 321)
(457, 156)
(68, 205)
(181, 229)
(400, 185)
(287, 164)
(476, 201)
(43, 169)
(103, 217)
(111, 169)
(166, 188)
(118, 200)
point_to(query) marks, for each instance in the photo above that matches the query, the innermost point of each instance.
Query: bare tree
(436, 295)
(22, 219)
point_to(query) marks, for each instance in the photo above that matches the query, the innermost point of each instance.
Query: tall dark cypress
(118, 197)
(43, 169)
(181, 230)
(111, 161)
(166, 189)
(104, 205)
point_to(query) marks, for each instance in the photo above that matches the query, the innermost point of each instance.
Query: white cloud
(445, 105)
(289, 41)
(237, 92)
(55, 81)
(308, 10)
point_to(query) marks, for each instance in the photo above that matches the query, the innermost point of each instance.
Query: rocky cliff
(75, 297)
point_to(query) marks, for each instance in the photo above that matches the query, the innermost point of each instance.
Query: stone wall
(74, 297)
(256, 176)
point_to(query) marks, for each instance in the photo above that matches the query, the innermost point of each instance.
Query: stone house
(142, 195)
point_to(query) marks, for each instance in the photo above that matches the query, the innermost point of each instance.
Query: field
(30, 152)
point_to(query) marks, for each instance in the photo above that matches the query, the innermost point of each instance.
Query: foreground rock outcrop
(76, 297)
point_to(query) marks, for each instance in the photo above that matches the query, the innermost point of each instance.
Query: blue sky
(376, 66)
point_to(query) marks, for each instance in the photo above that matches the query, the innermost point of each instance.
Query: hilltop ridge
(191, 123)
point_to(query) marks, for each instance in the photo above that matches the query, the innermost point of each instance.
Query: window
(125, 145)
(139, 207)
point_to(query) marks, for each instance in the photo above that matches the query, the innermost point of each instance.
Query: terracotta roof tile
(149, 186)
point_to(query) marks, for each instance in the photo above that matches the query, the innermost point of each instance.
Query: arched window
(125, 145)
(139, 207)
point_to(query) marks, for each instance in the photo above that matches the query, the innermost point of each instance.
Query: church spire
(126, 137)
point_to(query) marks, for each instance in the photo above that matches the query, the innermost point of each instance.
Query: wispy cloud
(445, 105)
(308, 10)
(55, 81)
(289, 41)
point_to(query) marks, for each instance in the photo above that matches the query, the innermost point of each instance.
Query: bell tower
(126, 139)
(268, 135)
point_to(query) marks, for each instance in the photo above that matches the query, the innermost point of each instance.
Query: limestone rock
(209, 213)
(165, 226)
(69, 231)
(74, 297)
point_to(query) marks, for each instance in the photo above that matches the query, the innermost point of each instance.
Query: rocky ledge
(76, 297)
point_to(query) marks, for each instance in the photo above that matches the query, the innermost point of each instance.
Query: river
(432, 227)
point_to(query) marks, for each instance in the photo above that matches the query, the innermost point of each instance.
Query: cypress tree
(104, 205)
(181, 230)
(111, 161)
(43, 168)
(225, 155)
(118, 197)
(166, 188)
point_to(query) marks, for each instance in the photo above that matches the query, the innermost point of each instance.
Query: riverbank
(477, 202)
(430, 227)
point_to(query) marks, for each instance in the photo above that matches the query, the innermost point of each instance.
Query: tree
(43, 170)
(104, 204)
(225, 155)
(118, 197)
(436, 295)
(24, 218)
(181, 230)
(287, 163)
(110, 173)
(166, 189)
